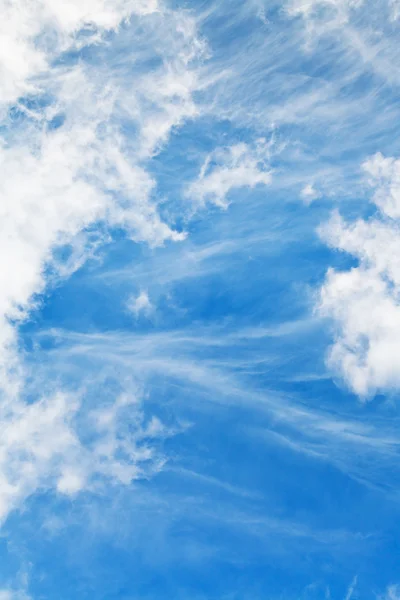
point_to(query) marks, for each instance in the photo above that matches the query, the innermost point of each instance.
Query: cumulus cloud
(225, 169)
(364, 301)
(41, 448)
(384, 175)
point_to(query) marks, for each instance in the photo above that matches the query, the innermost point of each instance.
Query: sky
(199, 300)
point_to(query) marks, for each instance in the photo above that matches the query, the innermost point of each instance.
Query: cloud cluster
(364, 301)
(75, 146)
(40, 446)
(32, 32)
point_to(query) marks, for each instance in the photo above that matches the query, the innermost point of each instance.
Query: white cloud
(351, 589)
(56, 183)
(309, 193)
(384, 175)
(392, 593)
(40, 447)
(30, 33)
(321, 17)
(141, 304)
(176, 354)
(228, 168)
(395, 9)
(363, 48)
(364, 301)
(8, 594)
(309, 7)
(17, 591)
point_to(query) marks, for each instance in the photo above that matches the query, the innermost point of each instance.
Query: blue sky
(199, 300)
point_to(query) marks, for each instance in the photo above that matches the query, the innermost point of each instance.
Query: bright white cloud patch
(309, 193)
(67, 165)
(40, 446)
(228, 168)
(31, 32)
(365, 300)
(141, 304)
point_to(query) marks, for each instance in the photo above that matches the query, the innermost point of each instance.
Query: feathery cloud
(229, 168)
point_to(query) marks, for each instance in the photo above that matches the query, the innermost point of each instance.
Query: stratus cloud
(364, 301)
(225, 169)
(58, 181)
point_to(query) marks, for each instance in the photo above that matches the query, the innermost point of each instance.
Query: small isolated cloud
(309, 193)
(141, 305)
(364, 301)
(232, 167)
